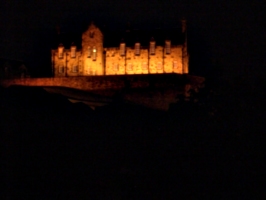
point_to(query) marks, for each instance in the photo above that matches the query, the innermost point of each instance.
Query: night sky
(53, 149)
(228, 34)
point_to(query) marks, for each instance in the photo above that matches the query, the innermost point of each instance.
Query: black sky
(229, 34)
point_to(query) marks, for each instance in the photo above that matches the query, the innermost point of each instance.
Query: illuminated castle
(93, 58)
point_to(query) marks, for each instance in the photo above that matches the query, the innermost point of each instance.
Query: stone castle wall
(93, 59)
(114, 62)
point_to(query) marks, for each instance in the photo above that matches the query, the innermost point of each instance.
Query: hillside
(52, 148)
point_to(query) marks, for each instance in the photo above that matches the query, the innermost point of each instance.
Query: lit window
(167, 46)
(89, 51)
(137, 49)
(159, 66)
(75, 68)
(115, 67)
(144, 66)
(122, 49)
(152, 48)
(130, 67)
(94, 53)
(175, 64)
(61, 69)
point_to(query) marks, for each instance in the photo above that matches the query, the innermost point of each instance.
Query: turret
(92, 51)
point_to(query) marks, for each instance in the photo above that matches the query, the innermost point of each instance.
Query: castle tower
(92, 50)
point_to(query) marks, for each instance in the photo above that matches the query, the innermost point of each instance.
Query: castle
(95, 59)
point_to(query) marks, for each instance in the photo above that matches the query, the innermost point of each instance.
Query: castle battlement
(95, 59)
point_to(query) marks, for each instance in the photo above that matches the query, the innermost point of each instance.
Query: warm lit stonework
(95, 59)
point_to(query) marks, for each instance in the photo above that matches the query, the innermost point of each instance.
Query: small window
(94, 53)
(75, 69)
(116, 67)
(175, 64)
(144, 66)
(130, 67)
(61, 69)
(159, 66)
(137, 49)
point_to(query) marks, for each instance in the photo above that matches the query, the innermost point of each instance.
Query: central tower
(92, 51)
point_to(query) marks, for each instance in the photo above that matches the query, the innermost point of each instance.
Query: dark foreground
(52, 149)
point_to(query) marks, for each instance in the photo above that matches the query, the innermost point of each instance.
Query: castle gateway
(93, 58)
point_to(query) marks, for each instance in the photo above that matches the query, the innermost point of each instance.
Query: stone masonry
(94, 59)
